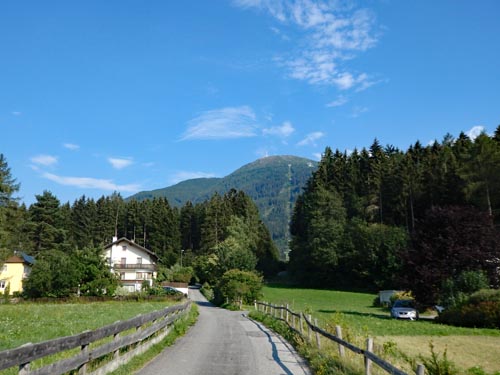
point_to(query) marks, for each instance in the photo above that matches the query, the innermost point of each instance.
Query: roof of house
(21, 257)
(130, 242)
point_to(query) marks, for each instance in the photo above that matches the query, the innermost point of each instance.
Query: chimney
(115, 238)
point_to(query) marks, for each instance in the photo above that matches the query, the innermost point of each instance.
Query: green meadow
(36, 322)
(359, 319)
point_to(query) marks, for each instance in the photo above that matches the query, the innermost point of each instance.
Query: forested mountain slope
(273, 183)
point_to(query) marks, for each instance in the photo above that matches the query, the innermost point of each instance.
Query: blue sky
(120, 95)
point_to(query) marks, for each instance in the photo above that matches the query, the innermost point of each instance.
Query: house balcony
(134, 266)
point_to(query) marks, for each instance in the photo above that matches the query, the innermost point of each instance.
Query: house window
(123, 261)
(148, 276)
(122, 275)
(3, 283)
(139, 260)
(124, 247)
(4, 268)
(139, 275)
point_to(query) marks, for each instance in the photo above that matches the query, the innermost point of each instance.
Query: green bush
(455, 291)
(236, 285)
(207, 291)
(401, 295)
(438, 365)
(481, 309)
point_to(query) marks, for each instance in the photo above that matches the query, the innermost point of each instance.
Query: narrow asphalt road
(225, 342)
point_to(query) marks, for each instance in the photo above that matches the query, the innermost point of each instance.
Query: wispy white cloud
(45, 160)
(311, 139)
(224, 123)
(186, 175)
(120, 163)
(282, 131)
(333, 34)
(475, 131)
(71, 146)
(91, 183)
(280, 33)
(16, 113)
(358, 111)
(340, 101)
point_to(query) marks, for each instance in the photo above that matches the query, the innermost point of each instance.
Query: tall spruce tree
(10, 216)
(46, 224)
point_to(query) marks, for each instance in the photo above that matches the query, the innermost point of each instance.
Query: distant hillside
(273, 183)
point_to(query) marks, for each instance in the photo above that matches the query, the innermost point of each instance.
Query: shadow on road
(276, 356)
(204, 303)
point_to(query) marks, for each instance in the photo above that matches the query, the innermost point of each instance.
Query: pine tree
(10, 218)
(46, 224)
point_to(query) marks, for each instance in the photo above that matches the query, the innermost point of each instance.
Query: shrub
(435, 365)
(236, 285)
(207, 291)
(401, 295)
(481, 309)
(455, 291)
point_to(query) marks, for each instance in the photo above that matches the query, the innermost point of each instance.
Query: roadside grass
(466, 347)
(321, 362)
(179, 329)
(35, 322)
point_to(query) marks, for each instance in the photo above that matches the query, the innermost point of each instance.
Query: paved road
(225, 342)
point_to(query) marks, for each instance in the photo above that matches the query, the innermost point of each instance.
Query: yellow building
(14, 271)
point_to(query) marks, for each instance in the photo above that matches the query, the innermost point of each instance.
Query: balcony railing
(136, 266)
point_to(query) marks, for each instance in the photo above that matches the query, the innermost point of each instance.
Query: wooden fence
(149, 329)
(299, 322)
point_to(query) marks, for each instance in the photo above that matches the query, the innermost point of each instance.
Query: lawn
(467, 347)
(33, 322)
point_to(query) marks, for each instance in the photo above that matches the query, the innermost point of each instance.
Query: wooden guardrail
(297, 321)
(145, 325)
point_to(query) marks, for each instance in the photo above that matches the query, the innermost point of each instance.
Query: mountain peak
(273, 182)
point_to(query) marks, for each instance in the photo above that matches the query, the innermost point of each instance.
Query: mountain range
(273, 182)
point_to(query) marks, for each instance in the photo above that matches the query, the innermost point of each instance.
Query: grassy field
(27, 322)
(466, 347)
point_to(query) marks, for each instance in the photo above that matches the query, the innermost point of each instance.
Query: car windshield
(404, 303)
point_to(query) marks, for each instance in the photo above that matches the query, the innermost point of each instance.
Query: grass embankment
(36, 322)
(466, 347)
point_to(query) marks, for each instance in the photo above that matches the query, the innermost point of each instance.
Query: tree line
(67, 240)
(382, 218)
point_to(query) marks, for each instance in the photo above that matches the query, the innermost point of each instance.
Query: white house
(134, 263)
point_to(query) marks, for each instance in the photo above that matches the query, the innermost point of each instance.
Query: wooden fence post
(301, 324)
(309, 317)
(318, 340)
(281, 312)
(116, 353)
(338, 333)
(255, 305)
(287, 316)
(420, 369)
(83, 369)
(368, 362)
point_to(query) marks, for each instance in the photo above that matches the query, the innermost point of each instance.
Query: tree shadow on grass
(379, 315)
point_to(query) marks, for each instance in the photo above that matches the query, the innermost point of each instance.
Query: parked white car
(404, 309)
